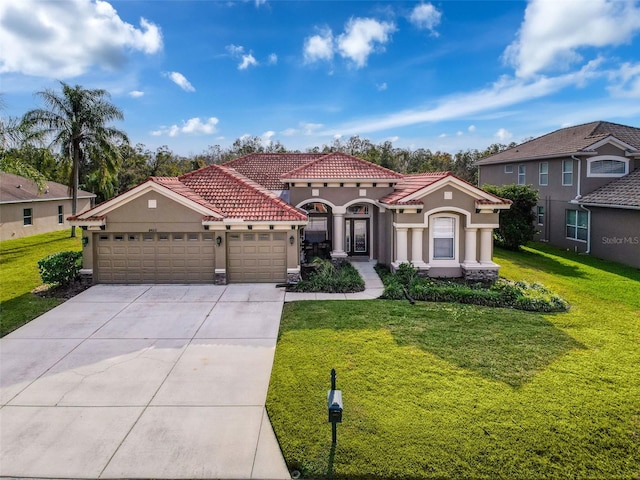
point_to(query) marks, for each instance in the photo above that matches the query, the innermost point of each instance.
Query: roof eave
(340, 180)
(539, 157)
(610, 205)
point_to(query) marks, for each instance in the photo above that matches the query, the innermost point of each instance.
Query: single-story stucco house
(25, 211)
(259, 217)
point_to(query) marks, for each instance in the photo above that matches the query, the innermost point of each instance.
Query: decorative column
(401, 246)
(470, 238)
(486, 242)
(338, 236)
(416, 247)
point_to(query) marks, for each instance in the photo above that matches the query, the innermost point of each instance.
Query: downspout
(578, 194)
(588, 228)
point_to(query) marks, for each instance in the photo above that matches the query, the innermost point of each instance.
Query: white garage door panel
(256, 257)
(155, 258)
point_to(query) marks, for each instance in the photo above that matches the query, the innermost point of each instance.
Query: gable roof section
(412, 188)
(267, 168)
(567, 141)
(340, 166)
(17, 189)
(623, 192)
(167, 186)
(239, 197)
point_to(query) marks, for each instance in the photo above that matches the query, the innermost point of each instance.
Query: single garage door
(155, 258)
(257, 257)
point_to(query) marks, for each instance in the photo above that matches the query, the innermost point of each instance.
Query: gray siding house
(588, 179)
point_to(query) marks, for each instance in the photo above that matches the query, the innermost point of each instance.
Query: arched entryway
(316, 236)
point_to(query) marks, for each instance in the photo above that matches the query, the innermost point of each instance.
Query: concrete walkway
(373, 286)
(164, 381)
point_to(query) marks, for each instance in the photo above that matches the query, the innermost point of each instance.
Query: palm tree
(76, 121)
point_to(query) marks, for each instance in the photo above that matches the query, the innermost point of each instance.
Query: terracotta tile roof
(623, 192)
(410, 184)
(567, 141)
(338, 166)
(267, 168)
(175, 185)
(237, 196)
(15, 189)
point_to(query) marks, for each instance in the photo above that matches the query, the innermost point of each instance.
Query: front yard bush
(329, 278)
(60, 268)
(533, 297)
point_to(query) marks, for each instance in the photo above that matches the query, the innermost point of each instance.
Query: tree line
(71, 140)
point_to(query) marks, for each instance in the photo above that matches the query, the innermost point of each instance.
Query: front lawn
(19, 276)
(460, 391)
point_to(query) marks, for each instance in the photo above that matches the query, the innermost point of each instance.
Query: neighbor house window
(522, 174)
(607, 166)
(540, 214)
(508, 169)
(577, 225)
(444, 238)
(27, 216)
(567, 172)
(60, 214)
(543, 174)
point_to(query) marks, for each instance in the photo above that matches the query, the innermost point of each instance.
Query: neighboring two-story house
(588, 178)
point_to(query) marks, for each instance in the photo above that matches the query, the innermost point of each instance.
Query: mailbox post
(334, 406)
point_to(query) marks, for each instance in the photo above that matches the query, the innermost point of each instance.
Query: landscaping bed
(520, 295)
(324, 276)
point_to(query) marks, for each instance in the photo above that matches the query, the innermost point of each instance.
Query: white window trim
(523, 174)
(30, 217)
(449, 262)
(508, 168)
(607, 175)
(540, 173)
(567, 162)
(538, 214)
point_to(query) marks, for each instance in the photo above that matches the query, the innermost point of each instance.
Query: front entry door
(357, 236)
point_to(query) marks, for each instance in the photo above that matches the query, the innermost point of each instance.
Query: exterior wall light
(292, 240)
(218, 240)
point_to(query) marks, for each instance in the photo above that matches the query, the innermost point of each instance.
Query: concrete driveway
(165, 381)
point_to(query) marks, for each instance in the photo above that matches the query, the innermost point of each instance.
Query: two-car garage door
(155, 258)
(189, 257)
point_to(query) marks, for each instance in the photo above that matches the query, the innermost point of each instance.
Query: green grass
(460, 391)
(19, 267)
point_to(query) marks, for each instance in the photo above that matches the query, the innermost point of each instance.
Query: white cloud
(136, 93)
(319, 47)
(553, 32)
(272, 59)
(67, 39)
(381, 86)
(362, 36)
(193, 126)
(260, 2)
(267, 136)
(426, 16)
(442, 135)
(626, 81)
(289, 132)
(180, 80)
(507, 91)
(310, 128)
(472, 128)
(248, 60)
(459, 133)
(503, 135)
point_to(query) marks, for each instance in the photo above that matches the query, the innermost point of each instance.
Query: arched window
(607, 166)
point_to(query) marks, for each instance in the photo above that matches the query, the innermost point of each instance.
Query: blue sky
(446, 75)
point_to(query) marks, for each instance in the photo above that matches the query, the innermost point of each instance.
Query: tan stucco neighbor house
(259, 217)
(588, 179)
(25, 211)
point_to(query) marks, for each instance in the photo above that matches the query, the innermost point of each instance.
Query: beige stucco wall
(44, 219)
(170, 216)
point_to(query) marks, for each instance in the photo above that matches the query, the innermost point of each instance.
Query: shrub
(60, 268)
(503, 293)
(516, 223)
(329, 278)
